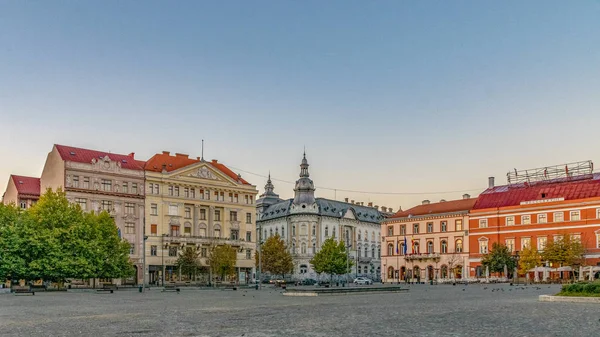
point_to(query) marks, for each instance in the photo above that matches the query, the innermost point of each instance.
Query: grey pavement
(442, 310)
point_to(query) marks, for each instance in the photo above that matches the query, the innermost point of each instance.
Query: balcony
(425, 256)
(365, 259)
(188, 239)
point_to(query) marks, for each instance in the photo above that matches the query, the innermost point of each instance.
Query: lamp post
(162, 258)
(516, 276)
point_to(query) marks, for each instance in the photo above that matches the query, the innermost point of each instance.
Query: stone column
(211, 216)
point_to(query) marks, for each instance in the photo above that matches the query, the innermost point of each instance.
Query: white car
(362, 280)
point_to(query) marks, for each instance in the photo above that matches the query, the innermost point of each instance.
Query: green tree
(563, 251)
(222, 260)
(497, 258)
(188, 261)
(529, 258)
(12, 263)
(276, 259)
(332, 258)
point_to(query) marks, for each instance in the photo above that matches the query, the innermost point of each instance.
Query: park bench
(23, 291)
(107, 287)
(231, 286)
(40, 287)
(170, 288)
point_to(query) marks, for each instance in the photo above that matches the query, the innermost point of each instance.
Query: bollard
(141, 289)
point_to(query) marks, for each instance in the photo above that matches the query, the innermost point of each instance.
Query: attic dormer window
(72, 153)
(543, 195)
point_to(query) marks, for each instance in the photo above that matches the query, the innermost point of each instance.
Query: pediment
(203, 172)
(349, 214)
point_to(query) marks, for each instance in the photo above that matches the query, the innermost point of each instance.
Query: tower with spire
(268, 198)
(304, 191)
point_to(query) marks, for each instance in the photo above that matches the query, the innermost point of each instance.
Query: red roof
(27, 185)
(438, 208)
(75, 154)
(172, 163)
(503, 196)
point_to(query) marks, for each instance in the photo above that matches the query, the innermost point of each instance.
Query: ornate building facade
(304, 222)
(427, 242)
(196, 203)
(97, 181)
(22, 191)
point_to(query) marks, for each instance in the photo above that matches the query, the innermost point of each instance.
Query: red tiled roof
(75, 154)
(503, 196)
(437, 208)
(172, 163)
(26, 185)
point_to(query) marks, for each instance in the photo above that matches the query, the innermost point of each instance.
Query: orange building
(535, 207)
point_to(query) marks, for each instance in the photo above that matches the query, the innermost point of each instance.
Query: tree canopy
(55, 240)
(188, 261)
(332, 258)
(222, 260)
(529, 258)
(275, 259)
(564, 250)
(497, 258)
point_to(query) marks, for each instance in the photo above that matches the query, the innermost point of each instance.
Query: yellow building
(196, 203)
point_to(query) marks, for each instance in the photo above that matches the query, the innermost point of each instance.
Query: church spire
(305, 188)
(269, 186)
(304, 167)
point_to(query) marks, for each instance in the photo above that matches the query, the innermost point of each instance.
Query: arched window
(314, 248)
(270, 232)
(429, 247)
(217, 231)
(276, 231)
(390, 273)
(359, 269)
(366, 236)
(390, 249)
(444, 247)
(303, 248)
(359, 236)
(282, 231)
(373, 252)
(303, 269)
(293, 230)
(402, 248)
(417, 272)
(372, 236)
(366, 251)
(326, 231)
(459, 246)
(444, 271)
(379, 251)
(333, 232)
(294, 247)
(416, 247)
(265, 237)
(202, 230)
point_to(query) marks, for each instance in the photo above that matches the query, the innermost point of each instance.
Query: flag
(397, 244)
(412, 244)
(404, 248)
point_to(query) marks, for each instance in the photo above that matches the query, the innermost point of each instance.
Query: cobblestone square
(444, 310)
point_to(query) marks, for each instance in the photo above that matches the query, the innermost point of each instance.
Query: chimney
(390, 210)
(131, 155)
(214, 161)
(362, 203)
(425, 202)
(443, 200)
(166, 152)
(181, 155)
(370, 204)
(197, 158)
(383, 209)
(466, 196)
(376, 207)
(352, 201)
(399, 208)
(345, 199)
(491, 182)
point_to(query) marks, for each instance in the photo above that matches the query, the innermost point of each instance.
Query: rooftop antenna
(202, 155)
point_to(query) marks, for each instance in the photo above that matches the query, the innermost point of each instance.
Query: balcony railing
(189, 239)
(424, 256)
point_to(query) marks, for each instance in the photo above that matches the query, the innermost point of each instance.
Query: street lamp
(516, 276)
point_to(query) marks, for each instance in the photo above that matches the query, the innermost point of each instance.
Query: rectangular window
(125, 187)
(314, 230)
(444, 226)
(129, 228)
(23, 204)
(107, 205)
(207, 195)
(542, 218)
(235, 234)
(106, 185)
(172, 250)
(170, 190)
(156, 189)
(176, 191)
(153, 229)
(597, 213)
(541, 243)
(250, 199)
(416, 228)
(187, 230)
(597, 240)
(186, 192)
(248, 217)
(525, 242)
(131, 249)
(173, 210)
(526, 219)
(76, 181)
(203, 252)
(174, 230)
(559, 216)
(249, 236)
(402, 229)
(188, 213)
(233, 216)
(193, 193)
(510, 244)
(248, 254)
(458, 225)
(217, 215)
(576, 237)
(153, 209)
(86, 182)
(151, 188)
(483, 247)
(202, 214)
(430, 227)
(246, 199)
(134, 188)
(230, 197)
(236, 198)
(129, 208)
(222, 196)
(153, 250)
(82, 202)
(510, 220)
(390, 230)
(483, 223)
(575, 216)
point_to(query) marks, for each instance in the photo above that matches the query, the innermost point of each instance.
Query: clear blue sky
(391, 96)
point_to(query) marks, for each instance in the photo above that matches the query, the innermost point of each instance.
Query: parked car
(362, 280)
(308, 282)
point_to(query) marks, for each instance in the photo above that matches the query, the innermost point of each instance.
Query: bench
(170, 289)
(231, 286)
(40, 287)
(107, 287)
(23, 291)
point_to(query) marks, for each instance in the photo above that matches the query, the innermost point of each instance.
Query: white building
(304, 222)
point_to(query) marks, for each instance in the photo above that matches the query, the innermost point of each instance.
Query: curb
(573, 299)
